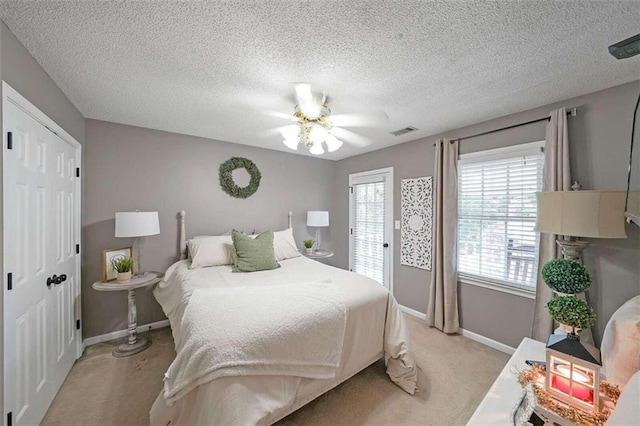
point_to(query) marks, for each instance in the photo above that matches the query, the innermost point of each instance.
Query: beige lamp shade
(591, 214)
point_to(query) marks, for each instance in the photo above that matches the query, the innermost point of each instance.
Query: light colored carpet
(455, 375)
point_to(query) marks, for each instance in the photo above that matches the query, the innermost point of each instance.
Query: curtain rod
(572, 112)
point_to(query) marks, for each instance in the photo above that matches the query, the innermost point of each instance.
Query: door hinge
(9, 140)
(10, 281)
(77, 324)
(9, 418)
(77, 248)
(351, 189)
(351, 231)
(77, 171)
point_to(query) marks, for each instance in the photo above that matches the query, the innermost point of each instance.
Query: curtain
(442, 312)
(556, 177)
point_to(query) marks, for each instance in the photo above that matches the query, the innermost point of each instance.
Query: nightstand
(134, 344)
(319, 254)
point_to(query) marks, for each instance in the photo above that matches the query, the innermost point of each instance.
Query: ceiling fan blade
(277, 130)
(371, 119)
(350, 137)
(281, 115)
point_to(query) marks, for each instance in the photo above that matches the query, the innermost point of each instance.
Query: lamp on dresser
(589, 214)
(317, 219)
(136, 225)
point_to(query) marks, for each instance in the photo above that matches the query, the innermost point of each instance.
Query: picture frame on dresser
(108, 256)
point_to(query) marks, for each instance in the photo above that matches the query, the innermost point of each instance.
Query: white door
(41, 212)
(371, 224)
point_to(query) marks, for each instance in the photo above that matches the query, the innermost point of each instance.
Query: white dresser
(500, 401)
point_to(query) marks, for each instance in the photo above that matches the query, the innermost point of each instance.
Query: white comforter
(374, 324)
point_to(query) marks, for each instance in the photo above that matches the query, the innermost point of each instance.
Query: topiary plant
(566, 276)
(571, 311)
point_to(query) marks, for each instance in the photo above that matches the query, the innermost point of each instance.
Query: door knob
(57, 280)
(385, 245)
(49, 282)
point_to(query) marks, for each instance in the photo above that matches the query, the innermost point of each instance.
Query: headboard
(183, 231)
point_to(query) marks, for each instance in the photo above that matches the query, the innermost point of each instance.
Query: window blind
(497, 213)
(368, 230)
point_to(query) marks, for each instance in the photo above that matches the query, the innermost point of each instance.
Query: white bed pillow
(284, 245)
(211, 251)
(620, 347)
(627, 411)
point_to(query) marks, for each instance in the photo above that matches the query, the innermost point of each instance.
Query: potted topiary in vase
(308, 246)
(123, 267)
(568, 278)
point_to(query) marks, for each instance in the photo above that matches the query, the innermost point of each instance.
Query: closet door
(27, 307)
(41, 293)
(62, 252)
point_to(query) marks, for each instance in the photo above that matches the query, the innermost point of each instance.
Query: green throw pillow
(254, 254)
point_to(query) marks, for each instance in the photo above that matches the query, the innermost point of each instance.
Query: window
(497, 213)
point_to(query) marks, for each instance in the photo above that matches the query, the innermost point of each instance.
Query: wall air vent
(404, 131)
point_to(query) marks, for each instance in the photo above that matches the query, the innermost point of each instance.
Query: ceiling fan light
(333, 143)
(317, 134)
(311, 110)
(290, 132)
(316, 149)
(291, 143)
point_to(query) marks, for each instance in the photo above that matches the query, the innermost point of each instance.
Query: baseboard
(413, 312)
(488, 342)
(122, 333)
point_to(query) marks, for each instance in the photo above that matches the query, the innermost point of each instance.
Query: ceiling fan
(315, 127)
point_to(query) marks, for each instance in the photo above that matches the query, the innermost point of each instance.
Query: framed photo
(108, 256)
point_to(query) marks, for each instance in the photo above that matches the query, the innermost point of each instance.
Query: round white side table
(319, 254)
(134, 344)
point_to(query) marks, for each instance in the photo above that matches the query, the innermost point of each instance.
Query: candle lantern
(573, 371)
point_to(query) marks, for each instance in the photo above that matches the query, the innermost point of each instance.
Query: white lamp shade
(591, 214)
(137, 224)
(317, 218)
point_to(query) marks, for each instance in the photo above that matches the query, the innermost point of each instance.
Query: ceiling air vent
(404, 131)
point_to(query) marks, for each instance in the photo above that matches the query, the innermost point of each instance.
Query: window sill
(526, 293)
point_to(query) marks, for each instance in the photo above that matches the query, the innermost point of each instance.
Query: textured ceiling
(218, 69)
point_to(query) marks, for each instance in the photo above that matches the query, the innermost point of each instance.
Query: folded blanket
(293, 330)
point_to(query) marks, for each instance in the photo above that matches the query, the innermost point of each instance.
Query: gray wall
(599, 137)
(23, 73)
(130, 168)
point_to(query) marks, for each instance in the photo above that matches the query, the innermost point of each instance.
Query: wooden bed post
(183, 236)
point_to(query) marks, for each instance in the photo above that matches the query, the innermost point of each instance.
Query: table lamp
(317, 219)
(137, 224)
(590, 214)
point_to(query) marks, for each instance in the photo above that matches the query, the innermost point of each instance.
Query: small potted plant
(123, 267)
(308, 246)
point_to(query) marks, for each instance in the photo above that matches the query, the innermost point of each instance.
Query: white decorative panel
(40, 225)
(20, 145)
(70, 323)
(60, 219)
(22, 365)
(22, 233)
(68, 213)
(60, 164)
(416, 211)
(41, 344)
(59, 337)
(41, 155)
(71, 168)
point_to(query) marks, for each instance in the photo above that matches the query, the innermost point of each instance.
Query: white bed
(374, 327)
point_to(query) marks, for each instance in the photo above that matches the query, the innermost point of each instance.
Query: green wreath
(226, 177)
